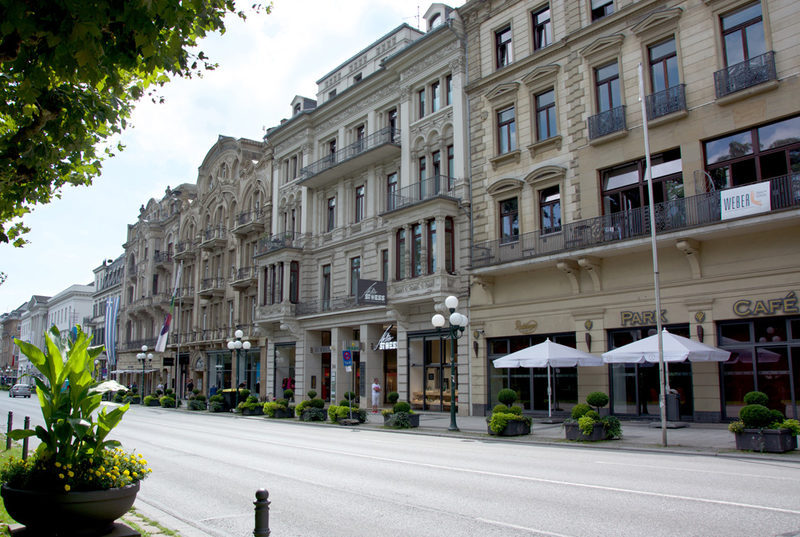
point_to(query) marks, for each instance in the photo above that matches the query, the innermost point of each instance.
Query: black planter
(283, 413)
(389, 420)
(253, 411)
(73, 514)
(766, 440)
(513, 428)
(573, 432)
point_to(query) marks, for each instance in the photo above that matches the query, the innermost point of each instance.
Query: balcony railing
(209, 285)
(287, 239)
(666, 102)
(311, 307)
(162, 258)
(682, 213)
(746, 74)
(136, 344)
(214, 233)
(438, 185)
(184, 249)
(607, 122)
(384, 136)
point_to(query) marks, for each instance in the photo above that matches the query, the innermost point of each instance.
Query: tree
(70, 74)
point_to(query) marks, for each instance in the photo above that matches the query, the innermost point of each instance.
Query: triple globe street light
(237, 345)
(458, 323)
(144, 357)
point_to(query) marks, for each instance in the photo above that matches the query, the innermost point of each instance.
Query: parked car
(20, 390)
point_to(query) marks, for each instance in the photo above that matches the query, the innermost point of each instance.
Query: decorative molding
(430, 60)
(592, 266)
(554, 142)
(659, 21)
(570, 268)
(604, 47)
(526, 328)
(505, 158)
(502, 91)
(504, 186)
(541, 76)
(691, 250)
(486, 283)
(546, 173)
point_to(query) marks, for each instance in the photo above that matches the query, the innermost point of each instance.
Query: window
(416, 250)
(385, 265)
(625, 187)
(359, 216)
(357, 78)
(400, 254)
(421, 169)
(743, 34)
(448, 89)
(602, 8)
(663, 65)
(451, 166)
(331, 94)
(355, 274)
(331, 214)
(155, 284)
(293, 167)
(279, 283)
(421, 103)
(391, 192)
(297, 108)
(435, 97)
(436, 161)
(504, 53)
(607, 87)
(272, 284)
(506, 131)
(449, 246)
(550, 209)
(294, 282)
(546, 115)
(509, 221)
(326, 287)
(542, 28)
(392, 119)
(431, 246)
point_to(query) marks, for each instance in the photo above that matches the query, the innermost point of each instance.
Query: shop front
(429, 371)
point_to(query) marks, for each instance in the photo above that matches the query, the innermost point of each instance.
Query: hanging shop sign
(641, 318)
(386, 342)
(745, 200)
(767, 306)
(371, 292)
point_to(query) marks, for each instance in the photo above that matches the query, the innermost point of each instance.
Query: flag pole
(649, 176)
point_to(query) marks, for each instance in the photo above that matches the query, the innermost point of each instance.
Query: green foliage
(169, 402)
(756, 398)
(119, 396)
(288, 394)
(251, 403)
(196, 397)
(501, 408)
(736, 426)
(792, 425)
(499, 420)
(311, 394)
(401, 406)
(586, 424)
(215, 406)
(507, 396)
(270, 407)
(313, 414)
(579, 410)
(593, 414)
(244, 393)
(316, 403)
(216, 398)
(151, 400)
(755, 416)
(392, 397)
(597, 400)
(516, 410)
(337, 412)
(777, 416)
(402, 420)
(70, 75)
(196, 404)
(612, 426)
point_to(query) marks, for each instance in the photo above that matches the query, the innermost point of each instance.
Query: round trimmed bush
(311, 394)
(401, 406)
(777, 416)
(516, 410)
(168, 402)
(288, 394)
(507, 396)
(580, 410)
(755, 416)
(597, 399)
(392, 397)
(500, 409)
(316, 403)
(592, 414)
(756, 398)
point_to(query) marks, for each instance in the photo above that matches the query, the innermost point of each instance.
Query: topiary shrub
(392, 397)
(593, 415)
(401, 406)
(270, 407)
(151, 400)
(311, 394)
(507, 396)
(313, 414)
(316, 403)
(516, 410)
(216, 398)
(756, 398)
(597, 400)
(288, 394)
(196, 404)
(501, 408)
(579, 410)
(169, 402)
(755, 416)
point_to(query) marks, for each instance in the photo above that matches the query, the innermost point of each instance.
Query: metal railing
(746, 74)
(136, 344)
(681, 213)
(213, 233)
(287, 239)
(210, 284)
(387, 135)
(438, 185)
(246, 217)
(245, 273)
(162, 257)
(666, 102)
(607, 122)
(183, 247)
(311, 307)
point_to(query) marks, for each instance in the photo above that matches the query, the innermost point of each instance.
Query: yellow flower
(58, 464)
(66, 487)
(71, 473)
(126, 472)
(135, 474)
(61, 476)
(69, 465)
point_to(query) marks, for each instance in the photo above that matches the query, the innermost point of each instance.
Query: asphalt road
(332, 481)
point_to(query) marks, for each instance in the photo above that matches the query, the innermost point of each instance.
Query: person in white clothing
(376, 395)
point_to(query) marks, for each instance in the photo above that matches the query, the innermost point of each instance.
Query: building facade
(560, 199)
(9, 352)
(104, 319)
(32, 326)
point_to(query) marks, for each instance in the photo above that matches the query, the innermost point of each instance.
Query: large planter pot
(282, 413)
(766, 440)
(253, 412)
(573, 432)
(513, 428)
(389, 420)
(68, 514)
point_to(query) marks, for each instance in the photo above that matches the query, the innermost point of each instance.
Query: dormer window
(297, 108)
(435, 21)
(357, 78)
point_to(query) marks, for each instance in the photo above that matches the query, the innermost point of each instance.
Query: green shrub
(401, 406)
(169, 402)
(150, 399)
(516, 410)
(282, 401)
(337, 412)
(313, 414)
(499, 421)
(777, 416)
(792, 425)
(586, 424)
(597, 400)
(244, 393)
(270, 407)
(311, 394)
(298, 410)
(252, 399)
(392, 397)
(198, 397)
(507, 396)
(755, 416)
(756, 398)
(580, 410)
(288, 394)
(593, 414)
(196, 404)
(736, 426)
(612, 426)
(402, 420)
(215, 406)
(119, 396)
(216, 398)
(316, 403)
(500, 408)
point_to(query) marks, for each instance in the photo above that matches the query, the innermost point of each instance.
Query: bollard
(10, 426)
(27, 424)
(262, 513)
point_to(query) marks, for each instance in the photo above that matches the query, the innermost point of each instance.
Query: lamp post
(237, 345)
(458, 323)
(144, 357)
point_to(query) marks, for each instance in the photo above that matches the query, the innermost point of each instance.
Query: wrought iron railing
(287, 239)
(210, 284)
(245, 273)
(162, 257)
(438, 185)
(681, 213)
(746, 74)
(666, 102)
(183, 247)
(214, 233)
(384, 136)
(311, 307)
(246, 217)
(136, 344)
(607, 122)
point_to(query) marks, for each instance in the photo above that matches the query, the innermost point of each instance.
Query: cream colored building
(561, 235)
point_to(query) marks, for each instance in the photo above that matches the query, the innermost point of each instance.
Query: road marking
(694, 470)
(523, 528)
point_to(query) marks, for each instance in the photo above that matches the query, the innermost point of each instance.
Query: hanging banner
(745, 200)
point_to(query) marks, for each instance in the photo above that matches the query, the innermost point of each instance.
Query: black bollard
(10, 426)
(27, 424)
(262, 513)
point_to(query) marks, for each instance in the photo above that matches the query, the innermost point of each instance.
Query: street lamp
(237, 345)
(458, 323)
(144, 357)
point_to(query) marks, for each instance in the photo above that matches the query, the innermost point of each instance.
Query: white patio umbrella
(676, 349)
(548, 354)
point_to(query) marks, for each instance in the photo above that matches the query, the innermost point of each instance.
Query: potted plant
(216, 403)
(150, 400)
(312, 409)
(400, 416)
(197, 401)
(251, 407)
(78, 477)
(586, 425)
(347, 411)
(507, 420)
(761, 429)
(168, 399)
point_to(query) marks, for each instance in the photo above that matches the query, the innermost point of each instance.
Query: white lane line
(695, 470)
(523, 528)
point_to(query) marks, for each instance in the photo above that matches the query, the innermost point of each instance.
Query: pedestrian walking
(376, 395)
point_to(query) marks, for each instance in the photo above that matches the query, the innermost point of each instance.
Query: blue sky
(264, 63)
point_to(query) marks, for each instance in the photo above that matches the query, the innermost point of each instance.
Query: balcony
(184, 250)
(248, 222)
(666, 102)
(745, 75)
(276, 312)
(439, 185)
(374, 148)
(421, 288)
(244, 277)
(212, 287)
(313, 307)
(683, 213)
(136, 344)
(286, 239)
(162, 258)
(607, 122)
(214, 237)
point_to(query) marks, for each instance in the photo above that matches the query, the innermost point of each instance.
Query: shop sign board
(371, 292)
(745, 200)
(767, 306)
(641, 318)
(386, 342)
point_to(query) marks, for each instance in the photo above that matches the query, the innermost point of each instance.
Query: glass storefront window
(284, 369)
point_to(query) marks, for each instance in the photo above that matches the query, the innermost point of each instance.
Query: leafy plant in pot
(311, 409)
(506, 418)
(761, 429)
(400, 416)
(587, 425)
(347, 411)
(81, 479)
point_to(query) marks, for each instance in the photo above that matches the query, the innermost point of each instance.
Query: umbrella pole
(549, 397)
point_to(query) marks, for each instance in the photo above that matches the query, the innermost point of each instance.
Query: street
(332, 481)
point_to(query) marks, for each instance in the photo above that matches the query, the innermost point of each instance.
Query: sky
(264, 62)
